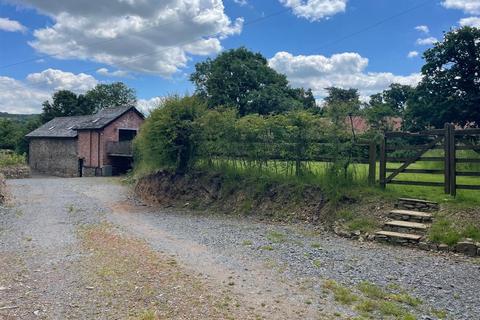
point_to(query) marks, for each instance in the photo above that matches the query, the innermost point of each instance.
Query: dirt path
(71, 247)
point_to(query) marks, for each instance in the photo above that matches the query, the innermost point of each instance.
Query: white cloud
(427, 41)
(467, 6)
(315, 10)
(241, 2)
(470, 21)
(147, 105)
(107, 73)
(11, 25)
(423, 29)
(344, 70)
(147, 36)
(413, 54)
(54, 79)
(27, 96)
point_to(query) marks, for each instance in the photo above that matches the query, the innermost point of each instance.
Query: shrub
(169, 137)
(11, 159)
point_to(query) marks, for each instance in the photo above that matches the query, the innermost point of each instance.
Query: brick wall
(54, 156)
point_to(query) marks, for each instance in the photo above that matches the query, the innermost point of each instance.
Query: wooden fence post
(372, 162)
(383, 162)
(446, 159)
(452, 161)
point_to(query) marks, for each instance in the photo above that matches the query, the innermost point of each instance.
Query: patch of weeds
(441, 314)
(364, 224)
(147, 315)
(18, 213)
(276, 237)
(345, 214)
(247, 242)
(371, 290)
(472, 232)
(389, 308)
(366, 306)
(341, 294)
(71, 208)
(443, 231)
(267, 248)
(406, 298)
(316, 245)
(317, 263)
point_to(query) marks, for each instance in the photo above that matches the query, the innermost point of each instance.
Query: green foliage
(11, 159)
(364, 224)
(12, 133)
(110, 95)
(66, 103)
(449, 90)
(169, 137)
(243, 80)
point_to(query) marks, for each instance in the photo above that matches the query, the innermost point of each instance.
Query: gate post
(452, 161)
(446, 158)
(372, 162)
(383, 161)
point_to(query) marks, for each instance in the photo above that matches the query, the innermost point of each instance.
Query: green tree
(109, 95)
(64, 104)
(450, 87)
(347, 101)
(242, 79)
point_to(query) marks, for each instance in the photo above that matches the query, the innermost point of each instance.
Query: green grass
(276, 237)
(363, 224)
(446, 230)
(341, 294)
(371, 290)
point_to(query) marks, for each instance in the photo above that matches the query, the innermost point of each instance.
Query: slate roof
(66, 127)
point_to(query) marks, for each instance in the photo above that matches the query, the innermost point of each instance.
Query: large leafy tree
(109, 95)
(242, 79)
(66, 103)
(450, 88)
(341, 102)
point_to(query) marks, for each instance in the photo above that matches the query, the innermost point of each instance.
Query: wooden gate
(408, 148)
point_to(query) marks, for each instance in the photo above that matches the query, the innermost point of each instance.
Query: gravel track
(280, 268)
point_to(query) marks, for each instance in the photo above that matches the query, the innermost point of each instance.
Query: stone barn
(93, 145)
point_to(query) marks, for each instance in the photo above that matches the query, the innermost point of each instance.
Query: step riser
(406, 217)
(404, 230)
(395, 240)
(419, 206)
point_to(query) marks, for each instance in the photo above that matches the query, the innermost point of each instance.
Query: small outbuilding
(92, 145)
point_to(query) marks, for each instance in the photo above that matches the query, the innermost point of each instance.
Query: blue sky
(153, 45)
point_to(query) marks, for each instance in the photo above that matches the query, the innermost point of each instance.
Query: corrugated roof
(66, 127)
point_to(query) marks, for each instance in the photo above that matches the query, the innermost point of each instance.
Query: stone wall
(54, 156)
(15, 172)
(3, 190)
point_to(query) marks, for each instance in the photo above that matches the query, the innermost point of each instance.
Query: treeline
(244, 109)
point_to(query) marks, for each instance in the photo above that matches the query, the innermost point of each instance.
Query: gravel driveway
(273, 271)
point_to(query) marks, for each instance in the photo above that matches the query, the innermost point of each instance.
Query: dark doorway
(126, 134)
(121, 165)
(80, 167)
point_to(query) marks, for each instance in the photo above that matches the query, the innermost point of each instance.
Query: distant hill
(18, 117)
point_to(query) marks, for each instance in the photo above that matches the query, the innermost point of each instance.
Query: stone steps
(410, 215)
(409, 222)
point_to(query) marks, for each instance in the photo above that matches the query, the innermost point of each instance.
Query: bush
(8, 158)
(169, 136)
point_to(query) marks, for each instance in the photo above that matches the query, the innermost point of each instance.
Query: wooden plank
(472, 131)
(468, 174)
(418, 183)
(406, 224)
(467, 160)
(438, 159)
(447, 160)
(414, 147)
(411, 213)
(421, 171)
(467, 187)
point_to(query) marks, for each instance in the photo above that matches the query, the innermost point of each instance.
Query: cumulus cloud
(147, 105)
(344, 70)
(27, 96)
(147, 36)
(427, 41)
(423, 29)
(470, 21)
(467, 6)
(413, 54)
(107, 73)
(11, 25)
(315, 10)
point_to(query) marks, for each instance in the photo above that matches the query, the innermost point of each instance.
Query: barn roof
(66, 127)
